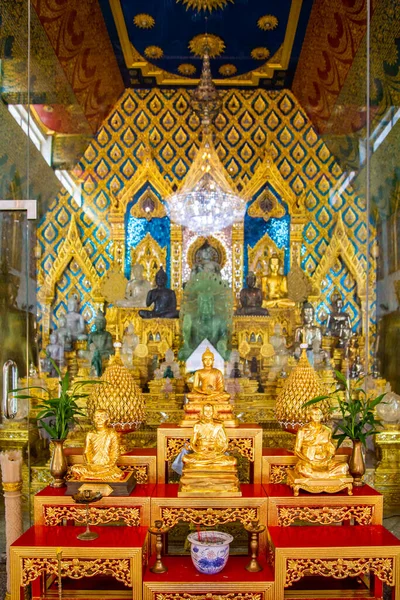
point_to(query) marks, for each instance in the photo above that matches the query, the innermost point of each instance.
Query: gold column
(296, 237)
(237, 261)
(176, 260)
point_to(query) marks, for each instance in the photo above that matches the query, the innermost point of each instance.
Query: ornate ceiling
(252, 43)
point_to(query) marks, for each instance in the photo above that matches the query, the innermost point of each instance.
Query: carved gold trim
(324, 515)
(279, 61)
(256, 211)
(237, 260)
(141, 472)
(55, 515)
(268, 171)
(197, 244)
(139, 212)
(76, 568)
(278, 473)
(244, 446)
(340, 245)
(339, 568)
(209, 596)
(258, 256)
(150, 255)
(14, 486)
(208, 517)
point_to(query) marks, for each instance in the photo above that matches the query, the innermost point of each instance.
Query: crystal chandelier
(206, 202)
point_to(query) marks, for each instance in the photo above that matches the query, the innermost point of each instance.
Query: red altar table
(118, 551)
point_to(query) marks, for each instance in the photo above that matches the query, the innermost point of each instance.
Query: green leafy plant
(64, 409)
(357, 420)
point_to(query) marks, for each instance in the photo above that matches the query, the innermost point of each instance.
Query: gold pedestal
(197, 482)
(222, 412)
(315, 486)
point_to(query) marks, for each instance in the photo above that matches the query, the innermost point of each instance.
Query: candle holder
(255, 528)
(159, 531)
(87, 497)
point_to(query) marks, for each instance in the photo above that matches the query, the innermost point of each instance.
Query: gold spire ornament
(205, 5)
(302, 385)
(120, 396)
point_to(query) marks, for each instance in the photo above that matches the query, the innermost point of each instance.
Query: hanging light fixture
(206, 202)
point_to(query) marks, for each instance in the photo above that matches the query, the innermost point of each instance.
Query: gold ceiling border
(279, 61)
(71, 249)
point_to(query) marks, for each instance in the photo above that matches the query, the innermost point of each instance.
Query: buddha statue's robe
(101, 454)
(208, 470)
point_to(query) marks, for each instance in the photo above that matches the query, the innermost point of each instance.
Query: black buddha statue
(251, 298)
(164, 300)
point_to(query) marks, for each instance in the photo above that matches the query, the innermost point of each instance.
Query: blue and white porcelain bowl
(209, 550)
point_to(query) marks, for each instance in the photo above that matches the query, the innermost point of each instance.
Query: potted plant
(357, 420)
(56, 417)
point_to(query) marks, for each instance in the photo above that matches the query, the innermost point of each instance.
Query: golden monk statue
(208, 387)
(274, 286)
(101, 452)
(208, 470)
(317, 468)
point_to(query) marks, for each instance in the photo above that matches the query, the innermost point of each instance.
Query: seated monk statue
(251, 298)
(274, 286)
(316, 453)
(101, 452)
(164, 300)
(208, 470)
(208, 388)
(137, 289)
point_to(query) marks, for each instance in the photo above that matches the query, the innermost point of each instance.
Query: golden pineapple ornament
(121, 396)
(303, 384)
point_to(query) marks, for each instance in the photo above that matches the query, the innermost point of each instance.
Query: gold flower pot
(357, 464)
(58, 464)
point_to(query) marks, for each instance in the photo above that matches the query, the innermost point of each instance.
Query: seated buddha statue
(316, 451)
(251, 299)
(338, 324)
(208, 470)
(208, 388)
(101, 453)
(75, 322)
(137, 289)
(274, 286)
(164, 300)
(101, 338)
(308, 333)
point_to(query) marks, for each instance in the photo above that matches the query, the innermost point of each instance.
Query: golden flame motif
(143, 21)
(207, 41)
(186, 69)
(302, 385)
(227, 70)
(205, 5)
(153, 52)
(260, 53)
(267, 22)
(121, 397)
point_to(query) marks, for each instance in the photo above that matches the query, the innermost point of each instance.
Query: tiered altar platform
(347, 553)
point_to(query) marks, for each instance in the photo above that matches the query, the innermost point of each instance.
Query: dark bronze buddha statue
(164, 300)
(251, 298)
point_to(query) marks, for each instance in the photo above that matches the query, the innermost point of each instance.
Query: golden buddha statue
(101, 453)
(317, 469)
(274, 286)
(208, 470)
(208, 387)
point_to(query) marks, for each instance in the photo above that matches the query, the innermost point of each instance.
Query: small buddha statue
(308, 332)
(208, 388)
(208, 470)
(64, 335)
(55, 351)
(75, 321)
(278, 341)
(338, 324)
(168, 368)
(137, 289)
(129, 342)
(164, 300)
(274, 286)
(101, 452)
(206, 260)
(316, 451)
(100, 338)
(357, 369)
(251, 298)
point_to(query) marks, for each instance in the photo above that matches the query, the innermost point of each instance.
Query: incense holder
(209, 550)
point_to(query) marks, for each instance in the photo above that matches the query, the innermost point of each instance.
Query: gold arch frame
(72, 248)
(197, 244)
(147, 251)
